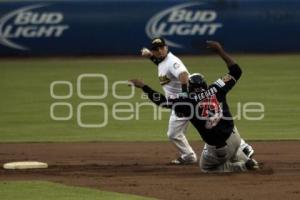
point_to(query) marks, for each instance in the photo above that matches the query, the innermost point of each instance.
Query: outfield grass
(25, 98)
(40, 190)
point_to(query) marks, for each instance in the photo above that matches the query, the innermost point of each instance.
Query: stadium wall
(114, 27)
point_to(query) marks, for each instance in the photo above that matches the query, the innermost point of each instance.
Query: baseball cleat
(181, 161)
(252, 164)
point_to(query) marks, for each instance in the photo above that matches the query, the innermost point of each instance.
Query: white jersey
(168, 73)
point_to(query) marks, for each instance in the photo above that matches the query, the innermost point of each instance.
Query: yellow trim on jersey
(164, 80)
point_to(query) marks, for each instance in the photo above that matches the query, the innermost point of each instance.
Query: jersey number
(211, 111)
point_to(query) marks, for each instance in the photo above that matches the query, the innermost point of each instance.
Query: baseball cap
(157, 42)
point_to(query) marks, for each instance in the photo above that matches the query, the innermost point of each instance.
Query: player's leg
(219, 159)
(242, 157)
(176, 134)
(239, 155)
(246, 148)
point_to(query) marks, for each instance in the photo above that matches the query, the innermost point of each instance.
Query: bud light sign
(183, 20)
(30, 22)
(89, 27)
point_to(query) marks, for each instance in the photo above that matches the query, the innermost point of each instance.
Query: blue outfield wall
(123, 27)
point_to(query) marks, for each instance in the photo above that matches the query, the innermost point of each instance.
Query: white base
(25, 165)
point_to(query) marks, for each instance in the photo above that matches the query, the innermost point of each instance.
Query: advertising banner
(123, 27)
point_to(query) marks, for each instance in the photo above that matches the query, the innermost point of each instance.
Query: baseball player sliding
(207, 109)
(173, 77)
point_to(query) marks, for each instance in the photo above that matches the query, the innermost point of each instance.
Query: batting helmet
(197, 83)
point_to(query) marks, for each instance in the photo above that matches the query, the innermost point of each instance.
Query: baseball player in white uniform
(174, 76)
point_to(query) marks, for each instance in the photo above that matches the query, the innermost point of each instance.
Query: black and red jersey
(208, 110)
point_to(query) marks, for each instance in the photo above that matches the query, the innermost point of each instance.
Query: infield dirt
(142, 168)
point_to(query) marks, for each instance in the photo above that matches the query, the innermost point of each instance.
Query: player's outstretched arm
(156, 97)
(234, 69)
(217, 47)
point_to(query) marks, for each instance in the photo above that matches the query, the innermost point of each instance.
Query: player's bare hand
(214, 45)
(137, 83)
(146, 52)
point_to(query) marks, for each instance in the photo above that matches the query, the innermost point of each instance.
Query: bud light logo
(30, 23)
(183, 20)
